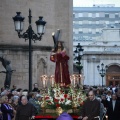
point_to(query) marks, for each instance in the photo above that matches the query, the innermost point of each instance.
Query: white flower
(73, 96)
(67, 102)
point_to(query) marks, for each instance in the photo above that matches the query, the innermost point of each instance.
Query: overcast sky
(89, 3)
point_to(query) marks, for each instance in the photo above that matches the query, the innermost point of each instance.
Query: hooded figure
(64, 116)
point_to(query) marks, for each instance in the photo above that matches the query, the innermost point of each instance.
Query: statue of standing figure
(59, 56)
(9, 71)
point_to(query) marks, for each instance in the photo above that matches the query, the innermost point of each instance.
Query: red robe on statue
(61, 70)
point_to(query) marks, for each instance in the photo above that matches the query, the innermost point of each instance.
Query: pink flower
(61, 100)
(47, 97)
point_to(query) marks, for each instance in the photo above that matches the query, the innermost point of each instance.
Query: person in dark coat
(104, 100)
(91, 108)
(33, 101)
(35, 89)
(25, 111)
(113, 110)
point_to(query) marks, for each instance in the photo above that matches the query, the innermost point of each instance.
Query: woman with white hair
(15, 102)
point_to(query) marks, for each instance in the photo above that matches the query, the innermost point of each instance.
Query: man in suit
(113, 110)
(91, 108)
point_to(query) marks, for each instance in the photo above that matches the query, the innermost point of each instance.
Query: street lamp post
(102, 71)
(78, 56)
(29, 35)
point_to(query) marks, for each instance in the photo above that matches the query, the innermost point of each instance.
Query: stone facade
(57, 14)
(104, 50)
(97, 30)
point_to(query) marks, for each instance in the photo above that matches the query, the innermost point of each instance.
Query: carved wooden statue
(59, 56)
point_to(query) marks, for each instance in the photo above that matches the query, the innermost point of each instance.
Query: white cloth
(113, 103)
(108, 97)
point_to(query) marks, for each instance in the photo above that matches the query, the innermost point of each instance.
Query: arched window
(41, 70)
(113, 69)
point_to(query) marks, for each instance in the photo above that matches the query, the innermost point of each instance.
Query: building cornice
(24, 47)
(101, 52)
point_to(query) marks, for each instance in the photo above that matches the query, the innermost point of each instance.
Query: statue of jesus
(60, 57)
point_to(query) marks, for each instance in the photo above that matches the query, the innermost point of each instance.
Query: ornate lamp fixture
(102, 71)
(29, 35)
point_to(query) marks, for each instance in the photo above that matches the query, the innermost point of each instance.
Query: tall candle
(44, 83)
(71, 79)
(74, 80)
(52, 82)
(44, 80)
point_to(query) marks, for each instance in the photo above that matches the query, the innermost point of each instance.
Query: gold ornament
(59, 110)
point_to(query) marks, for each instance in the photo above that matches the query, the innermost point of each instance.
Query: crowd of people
(19, 104)
(109, 99)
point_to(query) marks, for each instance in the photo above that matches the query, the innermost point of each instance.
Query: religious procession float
(57, 99)
(65, 92)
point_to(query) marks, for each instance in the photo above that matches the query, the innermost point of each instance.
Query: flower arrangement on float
(64, 98)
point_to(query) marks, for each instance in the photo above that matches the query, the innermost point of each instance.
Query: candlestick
(44, 80)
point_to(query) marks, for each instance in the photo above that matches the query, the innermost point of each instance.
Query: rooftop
(98, 9)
